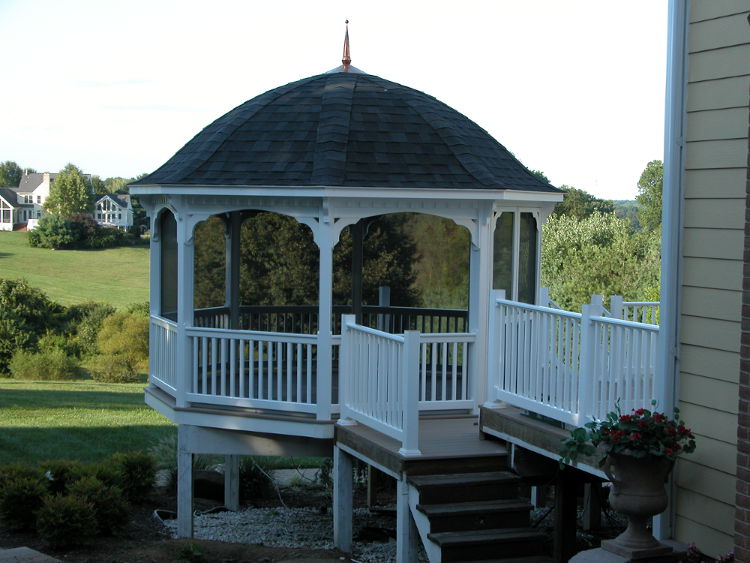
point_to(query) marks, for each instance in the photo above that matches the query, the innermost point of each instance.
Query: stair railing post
(410, 394)
(616, 307)
(494, 349)
(587, 359)
(346, 369)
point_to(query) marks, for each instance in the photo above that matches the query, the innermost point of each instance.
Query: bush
(88, 318)
(19, 470)
(64, 521)
(26, 313)
(20, 498)
(109, 505)
(61, 474)
(54, 231)
(73, 231)
(254, 481)
(46, 365)
(136, 473)
(123, 343)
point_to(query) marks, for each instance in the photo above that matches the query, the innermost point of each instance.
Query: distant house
(114, 210)
(22, 205)
(14, 210)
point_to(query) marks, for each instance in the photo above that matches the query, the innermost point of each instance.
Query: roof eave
(552, 195)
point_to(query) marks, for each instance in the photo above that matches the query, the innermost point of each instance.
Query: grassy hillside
(115, 275)
(75, 420)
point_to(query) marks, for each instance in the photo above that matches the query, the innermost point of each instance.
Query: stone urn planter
(638, 492)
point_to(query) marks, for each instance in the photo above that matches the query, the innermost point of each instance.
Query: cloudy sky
(574, 88)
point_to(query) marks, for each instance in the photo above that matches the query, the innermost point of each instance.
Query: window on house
(6, 215)
(39, 199)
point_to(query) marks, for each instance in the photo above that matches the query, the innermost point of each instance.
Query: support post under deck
(342, 500)
(184, 485)
(406, 529)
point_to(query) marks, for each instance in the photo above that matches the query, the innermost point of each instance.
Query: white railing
(636, 311)
(445, 380)
(163, 354)
(624, 365)
(571, 367)
(253, 369)
(379, 384)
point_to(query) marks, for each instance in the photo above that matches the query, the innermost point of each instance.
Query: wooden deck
(446, 443)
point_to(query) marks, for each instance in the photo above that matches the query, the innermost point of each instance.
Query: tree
(68, 193)
(579, 203)
(123, 343)
(97, 185)
(279, 262)
(649, 195)
(10, 174)
(598, 255)
(26, 313)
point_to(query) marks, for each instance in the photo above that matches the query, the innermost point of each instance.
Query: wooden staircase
(476, 517)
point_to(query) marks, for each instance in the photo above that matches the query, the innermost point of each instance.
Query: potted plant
(638, 452)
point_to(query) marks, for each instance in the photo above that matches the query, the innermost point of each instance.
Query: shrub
(26, 313)
(19, 470)
(109, 505)
(142, 308)
(254, 480)
(64, 521)
(89, 318)
(54, 231)
(20, 498)
(47, 365)
(136, 473)
(61, 474)
(123, 343)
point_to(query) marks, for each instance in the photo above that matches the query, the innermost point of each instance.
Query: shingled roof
(345, 129)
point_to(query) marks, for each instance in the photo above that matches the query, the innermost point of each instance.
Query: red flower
(658, 417)
(639, 412)
(668, 451)
(625, 418)
(635, 436)
(642, 423)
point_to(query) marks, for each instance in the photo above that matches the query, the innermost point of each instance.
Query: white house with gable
(21, 207)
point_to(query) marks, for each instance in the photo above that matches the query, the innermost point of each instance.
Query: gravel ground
(298, 528)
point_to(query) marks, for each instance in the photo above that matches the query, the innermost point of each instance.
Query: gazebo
(331, 151)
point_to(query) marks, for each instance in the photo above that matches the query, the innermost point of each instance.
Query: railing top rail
(450, 336)
(418, 310)
(640, 303)
(528, 307)
(373, 332)
(629, 324)
(273, 336)
(162, 321)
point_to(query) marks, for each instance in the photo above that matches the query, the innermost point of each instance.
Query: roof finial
(346, 60)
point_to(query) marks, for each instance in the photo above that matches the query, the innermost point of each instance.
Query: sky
(574, 88)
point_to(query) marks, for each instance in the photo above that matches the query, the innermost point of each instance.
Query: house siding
(712, 268)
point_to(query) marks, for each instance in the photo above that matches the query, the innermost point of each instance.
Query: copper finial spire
(347, 60)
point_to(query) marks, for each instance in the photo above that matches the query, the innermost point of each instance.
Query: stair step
(472, 545)
(504, 513)
(529, 559)
(465, 487)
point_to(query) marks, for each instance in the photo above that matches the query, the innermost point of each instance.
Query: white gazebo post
(185, 282)
(324, 237)
(155, 273)
(480, 284)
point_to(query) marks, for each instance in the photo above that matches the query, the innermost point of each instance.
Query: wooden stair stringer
(422, 523)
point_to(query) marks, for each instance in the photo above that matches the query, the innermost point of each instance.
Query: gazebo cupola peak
(331, 151)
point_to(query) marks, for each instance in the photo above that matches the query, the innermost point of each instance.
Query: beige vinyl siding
(712, 265)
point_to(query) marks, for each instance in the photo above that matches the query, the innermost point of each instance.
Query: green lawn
(118, 276)
(86, 421)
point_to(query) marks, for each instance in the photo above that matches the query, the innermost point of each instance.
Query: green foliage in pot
(639, 434)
